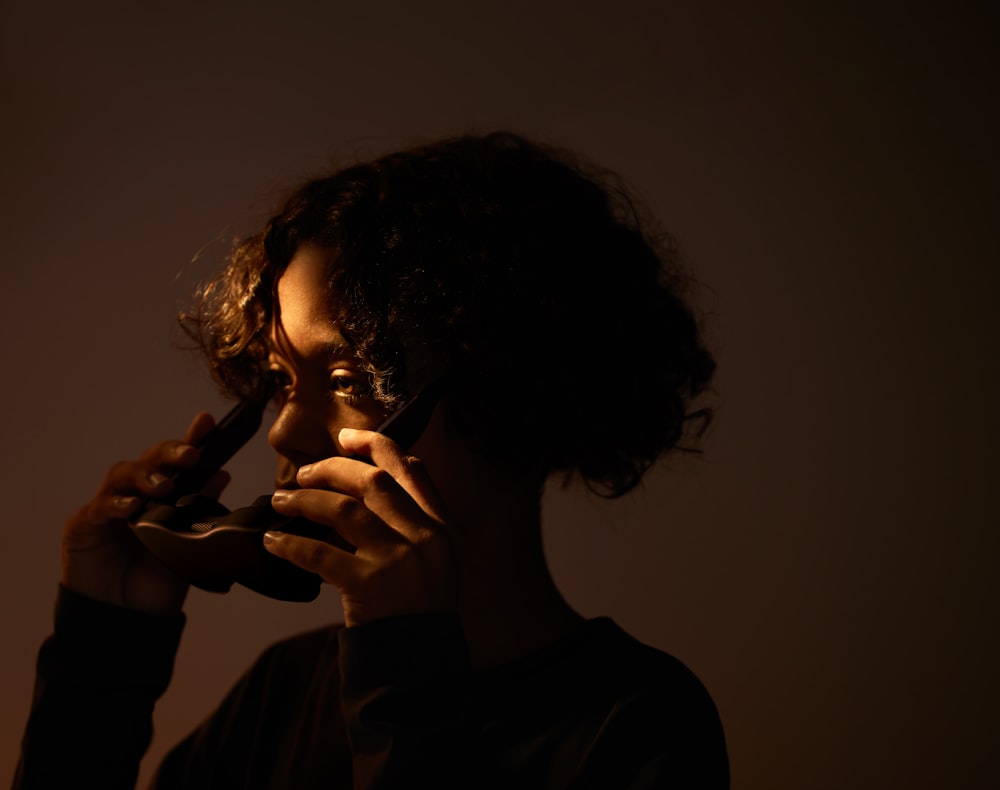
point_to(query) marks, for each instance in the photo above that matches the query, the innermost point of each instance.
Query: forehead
(304, 320)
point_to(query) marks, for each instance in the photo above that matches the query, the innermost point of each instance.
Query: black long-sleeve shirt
(391, 704)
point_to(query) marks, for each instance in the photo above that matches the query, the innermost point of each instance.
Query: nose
(299, 433)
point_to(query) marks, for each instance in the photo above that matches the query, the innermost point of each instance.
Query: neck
(509, 603)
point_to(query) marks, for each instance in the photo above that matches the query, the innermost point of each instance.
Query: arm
(117, 626)
(98, 677)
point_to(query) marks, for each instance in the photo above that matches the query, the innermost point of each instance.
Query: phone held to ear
(212, 547)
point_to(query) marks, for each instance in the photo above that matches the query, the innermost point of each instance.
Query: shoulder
(620, 665)
(637, 674)
(658, 710)
(659, 707)
(607, 710)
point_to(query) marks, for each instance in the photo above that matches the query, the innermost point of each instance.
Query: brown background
(828, 567)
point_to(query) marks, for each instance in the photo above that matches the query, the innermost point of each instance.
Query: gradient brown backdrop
(828, 567)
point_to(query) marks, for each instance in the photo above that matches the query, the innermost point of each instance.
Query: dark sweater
(390, 704)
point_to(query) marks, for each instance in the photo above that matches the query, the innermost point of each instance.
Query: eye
(348, 384)
(279, 382)
(278, 379)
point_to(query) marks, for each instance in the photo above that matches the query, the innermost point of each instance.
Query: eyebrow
(330, 349)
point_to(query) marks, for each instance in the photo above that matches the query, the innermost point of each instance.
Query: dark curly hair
(564, 322)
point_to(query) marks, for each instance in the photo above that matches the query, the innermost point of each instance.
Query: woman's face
(323, 385)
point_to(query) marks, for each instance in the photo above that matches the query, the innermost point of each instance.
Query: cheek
(305, 429)
(367, 414)
(302, 433)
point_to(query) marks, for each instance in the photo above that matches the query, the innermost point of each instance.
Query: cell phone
(212, 547)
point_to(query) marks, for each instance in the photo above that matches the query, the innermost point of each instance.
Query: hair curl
(570, 343)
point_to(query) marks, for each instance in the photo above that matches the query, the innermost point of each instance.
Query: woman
(524, 287)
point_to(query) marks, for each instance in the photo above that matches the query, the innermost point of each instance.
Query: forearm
(98, 678)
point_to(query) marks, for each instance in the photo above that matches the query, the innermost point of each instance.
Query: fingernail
(280, 496)
(304, 470)
(156, 479)
(347, 433)
(125, 503)
(272, 536)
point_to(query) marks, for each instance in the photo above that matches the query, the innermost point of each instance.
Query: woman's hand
(102, 558)
(406, 558)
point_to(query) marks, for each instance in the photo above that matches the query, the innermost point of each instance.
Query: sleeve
(403, 690)
(98, 678)
(229, 746)
(658, 739)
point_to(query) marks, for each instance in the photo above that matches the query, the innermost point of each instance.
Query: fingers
(87, 528)
(328, 562)
(406, 470)
(386, 581)
(199, 427)
(128, 483)
(364, 503)
(348, 516)
(345, 494)
(406, 558)
(102, 558)
(145, 478)
(149, 476)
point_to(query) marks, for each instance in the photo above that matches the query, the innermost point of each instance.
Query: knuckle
(432, 546)
(411, 465)
(313, 555)
(307, 554)
(158, 450)
(381, 441)
(349, 509)
(91, 513)
(379, 480)
(165, 452)
(165, 448)
(120, 470)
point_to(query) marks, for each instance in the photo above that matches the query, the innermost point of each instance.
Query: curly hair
(562, 317)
